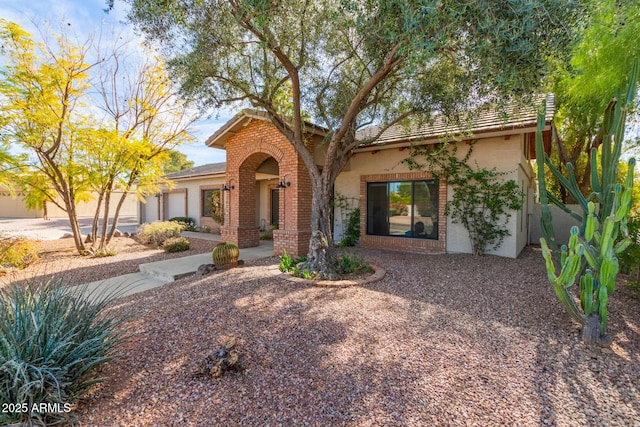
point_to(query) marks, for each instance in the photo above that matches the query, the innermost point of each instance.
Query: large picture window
(403, 209)
(212, 204)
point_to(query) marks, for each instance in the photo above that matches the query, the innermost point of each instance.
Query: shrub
(176, 244)
(104, 252)
(352, 233)
(53, 339)
(286, 262)
(18, 252)
(353, 264)
(266, 235)
(189, 223)
(630, 257)
(157, 232)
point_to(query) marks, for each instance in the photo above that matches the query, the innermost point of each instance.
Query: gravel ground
(441, 340)
(59, 258)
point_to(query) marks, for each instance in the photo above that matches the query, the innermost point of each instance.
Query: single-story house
(264, 182)
(14, 206)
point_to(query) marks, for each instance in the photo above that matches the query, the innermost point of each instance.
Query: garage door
(151, 209)
(175, 204)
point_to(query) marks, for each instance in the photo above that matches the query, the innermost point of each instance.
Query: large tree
(177, 162)
(91, 123)
(609, 41)
(352, 64)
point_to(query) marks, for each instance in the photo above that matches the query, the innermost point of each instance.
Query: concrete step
(176, 268)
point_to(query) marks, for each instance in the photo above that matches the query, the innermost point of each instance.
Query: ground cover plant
(53, 339)
(18, 252)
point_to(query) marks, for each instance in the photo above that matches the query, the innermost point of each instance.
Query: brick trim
(404, 244)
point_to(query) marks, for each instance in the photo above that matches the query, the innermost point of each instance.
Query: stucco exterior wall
(16, 208)
(503, 153)
(562, 223)
(184, 189)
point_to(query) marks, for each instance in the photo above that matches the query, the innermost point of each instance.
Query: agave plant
(53, 338)
(590, 258)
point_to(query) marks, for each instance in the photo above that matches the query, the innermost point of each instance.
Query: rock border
(378, 274)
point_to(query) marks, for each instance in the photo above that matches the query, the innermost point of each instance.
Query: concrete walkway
(154, 274)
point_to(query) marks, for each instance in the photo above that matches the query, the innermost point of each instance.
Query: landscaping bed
(440, 340)
(59, 257)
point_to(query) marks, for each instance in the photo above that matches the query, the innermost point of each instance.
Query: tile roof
(202, 170)
(484, 121)
(513, 117)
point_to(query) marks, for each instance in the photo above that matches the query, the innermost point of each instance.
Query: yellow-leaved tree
(95, 120)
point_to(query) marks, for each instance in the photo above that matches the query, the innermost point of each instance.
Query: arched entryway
(261, 161)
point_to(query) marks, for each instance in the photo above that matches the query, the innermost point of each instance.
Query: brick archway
(247, 149)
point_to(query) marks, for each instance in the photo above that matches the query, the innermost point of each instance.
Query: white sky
(84, 17)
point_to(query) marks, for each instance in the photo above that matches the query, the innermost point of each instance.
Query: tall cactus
(591, 253)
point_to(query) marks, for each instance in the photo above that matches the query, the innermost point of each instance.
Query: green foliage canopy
(609, 42)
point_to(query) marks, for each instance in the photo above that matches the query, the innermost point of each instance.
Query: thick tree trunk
(321, 260)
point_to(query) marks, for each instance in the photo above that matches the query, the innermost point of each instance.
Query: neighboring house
(15, 207)
(194, 195)
(264, 182)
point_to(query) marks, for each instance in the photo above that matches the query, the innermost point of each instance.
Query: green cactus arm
(553, 199)
(575, 188)
(595, 178)
(587, 292)
(592, 259)
(603, 296)
(622, 245)
(608, 272)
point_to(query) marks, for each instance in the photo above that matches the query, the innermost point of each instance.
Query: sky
(84, 17)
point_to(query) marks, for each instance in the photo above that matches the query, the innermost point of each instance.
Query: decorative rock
(205, 270)
(89, 239)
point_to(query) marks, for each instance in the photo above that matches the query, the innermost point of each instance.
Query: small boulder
(205, 270)
(89, 239)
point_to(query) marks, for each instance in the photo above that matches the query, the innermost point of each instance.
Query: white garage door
(175, 204)
(151, 209)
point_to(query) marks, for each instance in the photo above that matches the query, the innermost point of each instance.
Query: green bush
(176, 244)
(53, 338)
(630, 257)
(157, 232)
(352, 232)
(189, 223)
(353, 264)
(18, 252)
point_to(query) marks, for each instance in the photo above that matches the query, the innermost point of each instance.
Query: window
(403, 209)
(212, 204)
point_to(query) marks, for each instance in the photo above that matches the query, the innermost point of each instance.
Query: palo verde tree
(142, 122)
(89, 128)
(352, 64)
(609, 42)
